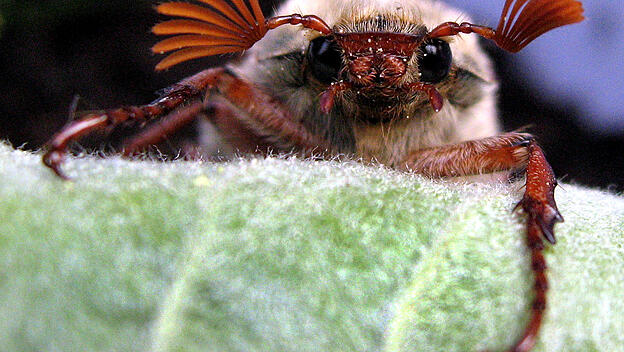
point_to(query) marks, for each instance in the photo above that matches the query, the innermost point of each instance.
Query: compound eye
(324, 59)
(435, 60)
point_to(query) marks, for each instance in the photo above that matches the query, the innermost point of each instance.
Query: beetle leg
(510, 151)
(224, 117)
(160, 130)
(539, 203)
(500, 153)
(262, 113)
(252, 120)
(176, 95)
(267, 118)
(232, 128)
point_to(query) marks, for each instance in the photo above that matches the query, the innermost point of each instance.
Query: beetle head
(377, 58)
(236, 26)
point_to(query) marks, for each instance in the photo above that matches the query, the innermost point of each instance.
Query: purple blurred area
(579, 65)
(567, 85)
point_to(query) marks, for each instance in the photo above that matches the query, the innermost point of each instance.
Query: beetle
(382, 81)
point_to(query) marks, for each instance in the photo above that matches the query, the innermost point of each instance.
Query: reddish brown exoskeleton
(378, 80)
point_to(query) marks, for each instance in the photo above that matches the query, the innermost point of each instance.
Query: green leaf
(291, 255)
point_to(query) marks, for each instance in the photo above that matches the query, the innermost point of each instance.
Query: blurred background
(568, 85)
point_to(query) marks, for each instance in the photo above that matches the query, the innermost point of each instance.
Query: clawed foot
(53, 159)
(543, 213)
(539, 196)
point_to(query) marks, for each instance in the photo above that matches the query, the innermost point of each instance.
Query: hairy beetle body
(385, 134)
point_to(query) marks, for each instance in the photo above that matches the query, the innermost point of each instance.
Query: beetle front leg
(511, 151)
(222, 114)
(250, 119)
(266, 118)
(176, 95)
(539, 204)
(240, 136)
(261, 112)
(162, 129)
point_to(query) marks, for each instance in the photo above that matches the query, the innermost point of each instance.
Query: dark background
(53, 50)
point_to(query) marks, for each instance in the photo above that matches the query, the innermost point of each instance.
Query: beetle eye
(435, 60)
(324, 59)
